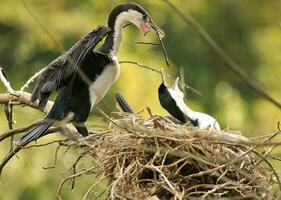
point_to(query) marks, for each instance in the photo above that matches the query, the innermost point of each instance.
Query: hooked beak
(150, 25)
(156, 29)
(164, 78)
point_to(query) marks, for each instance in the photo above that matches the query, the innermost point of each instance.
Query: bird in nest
(172, 100)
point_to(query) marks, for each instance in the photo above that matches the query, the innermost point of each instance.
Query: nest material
(158, 159)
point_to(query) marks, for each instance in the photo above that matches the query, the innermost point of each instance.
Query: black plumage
(78, 70)
(123, 103)
(59, 72)
(62, 74)
(71, 74)
(169, 104)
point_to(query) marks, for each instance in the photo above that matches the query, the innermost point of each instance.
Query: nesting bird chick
(172, 100)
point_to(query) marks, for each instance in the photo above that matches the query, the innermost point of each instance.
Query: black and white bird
(172, 100)
(83, 75)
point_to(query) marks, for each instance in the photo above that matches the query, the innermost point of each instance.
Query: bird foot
(94, 134)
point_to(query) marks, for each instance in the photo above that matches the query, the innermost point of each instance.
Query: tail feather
(28, 137)
(35, 133)
(123, 103)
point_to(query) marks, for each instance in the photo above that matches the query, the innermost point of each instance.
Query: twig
(8, 109)
(74, 171)
(82, 75)
(42, 25)
(148, 43)
(158, 44)
(44, 144)
(164, 51)
(174, 190)
(182, 80)
(23, 98)
(55, 161)
(71, 177)
(149, 112)
(94, 185)
(16, 131)
(271, 167)
(31, 79)
(113, 122)
(159, 72)
(232, 161)
(235, 67)
(4, 80)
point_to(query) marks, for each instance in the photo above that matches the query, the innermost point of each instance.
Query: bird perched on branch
(84, 74)
(172, 100)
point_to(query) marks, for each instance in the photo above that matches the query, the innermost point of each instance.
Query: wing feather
(59, 71)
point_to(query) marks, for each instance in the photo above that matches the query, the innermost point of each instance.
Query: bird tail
(123, 103)
(28, 137)
(36, 132)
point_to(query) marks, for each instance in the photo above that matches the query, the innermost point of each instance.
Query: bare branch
(16, 131)
(159, 72)
(31, 79)
(23, 98)
(148, 43)
(4, 80)
(164, 51)
(234, 66)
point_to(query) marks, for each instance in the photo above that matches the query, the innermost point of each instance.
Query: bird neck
(190, 114)
(114, 38)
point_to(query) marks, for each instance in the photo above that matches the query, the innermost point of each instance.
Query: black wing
(64, 67)
(123, 103)
(169, 104)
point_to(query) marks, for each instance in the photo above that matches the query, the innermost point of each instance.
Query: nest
(159, 159)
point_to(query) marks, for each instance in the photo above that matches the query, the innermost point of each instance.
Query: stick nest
(158, 159)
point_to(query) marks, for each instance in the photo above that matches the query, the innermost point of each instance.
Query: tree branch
(12, 132)
(5, 82)
(31, 79)
(23, 98)
(159, 72)
(235, 67)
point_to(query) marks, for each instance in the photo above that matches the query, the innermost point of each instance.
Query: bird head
(175, 91)
(134, 14)
(172, 98)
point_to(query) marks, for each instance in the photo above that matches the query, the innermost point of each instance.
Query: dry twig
(172, 161)
(159, 72)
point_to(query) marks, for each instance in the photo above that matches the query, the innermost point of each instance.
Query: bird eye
(145, 18)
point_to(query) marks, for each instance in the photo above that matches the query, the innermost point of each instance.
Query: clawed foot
(94, 134)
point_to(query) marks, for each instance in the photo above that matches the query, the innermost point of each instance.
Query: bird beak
(156, 29)
(175, 86)
(163, 78)
(147, 26)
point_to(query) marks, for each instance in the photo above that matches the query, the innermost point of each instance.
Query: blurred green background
(250, 31)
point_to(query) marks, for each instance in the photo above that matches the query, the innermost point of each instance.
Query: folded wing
(58, 72)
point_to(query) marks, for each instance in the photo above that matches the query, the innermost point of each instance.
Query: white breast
(104, 81)
(207, 121)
